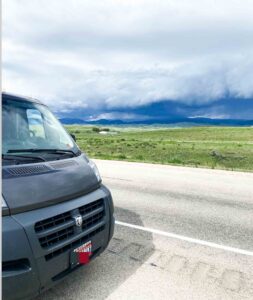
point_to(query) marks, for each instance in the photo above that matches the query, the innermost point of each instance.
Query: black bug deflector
(33, 186)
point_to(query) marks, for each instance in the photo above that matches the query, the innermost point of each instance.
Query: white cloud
(118, 116)
(127, 53)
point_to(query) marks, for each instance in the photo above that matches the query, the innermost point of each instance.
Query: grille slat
(92, 206)
(58, 233)
(73, 244)
(92, 221)
(92, 213)
(51, 222)
(56, 237)
(61, 244)
(55, 228)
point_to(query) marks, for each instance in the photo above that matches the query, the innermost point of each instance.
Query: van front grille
(59, 233)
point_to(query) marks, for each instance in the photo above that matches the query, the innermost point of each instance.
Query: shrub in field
(95, 129)
(140, 157)
(121, 156)
(175, 160)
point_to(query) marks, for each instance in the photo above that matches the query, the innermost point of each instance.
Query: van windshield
(32, 127)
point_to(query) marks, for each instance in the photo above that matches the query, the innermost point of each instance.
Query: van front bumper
(34, 260)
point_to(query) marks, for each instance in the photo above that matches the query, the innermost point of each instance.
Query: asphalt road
(209, 206)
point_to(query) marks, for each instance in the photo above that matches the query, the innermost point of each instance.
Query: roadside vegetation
(228, 148)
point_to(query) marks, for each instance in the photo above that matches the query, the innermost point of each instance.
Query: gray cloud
(124, 54)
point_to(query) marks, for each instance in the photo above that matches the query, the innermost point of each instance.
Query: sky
(134, 59)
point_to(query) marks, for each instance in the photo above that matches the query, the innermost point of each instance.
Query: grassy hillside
(213, 147)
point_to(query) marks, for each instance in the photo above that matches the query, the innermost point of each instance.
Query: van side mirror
(73, 137)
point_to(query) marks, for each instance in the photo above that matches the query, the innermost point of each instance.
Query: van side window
(35, 123)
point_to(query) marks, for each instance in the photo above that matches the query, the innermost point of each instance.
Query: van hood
(31, 186)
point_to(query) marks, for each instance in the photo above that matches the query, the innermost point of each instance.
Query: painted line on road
(117, 178)
(187, 239)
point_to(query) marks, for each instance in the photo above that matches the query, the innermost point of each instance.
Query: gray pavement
(210, 205)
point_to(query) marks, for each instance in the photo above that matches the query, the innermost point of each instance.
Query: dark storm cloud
(106, 56)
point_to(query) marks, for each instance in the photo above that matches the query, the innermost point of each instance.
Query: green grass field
(228, 148)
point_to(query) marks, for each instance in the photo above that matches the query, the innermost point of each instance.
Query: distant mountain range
(225, 112)
(172, 121)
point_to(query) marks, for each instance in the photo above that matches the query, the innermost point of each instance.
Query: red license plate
(82, 254)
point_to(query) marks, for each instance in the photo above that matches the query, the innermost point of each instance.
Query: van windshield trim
(56, 151)
(21, 157)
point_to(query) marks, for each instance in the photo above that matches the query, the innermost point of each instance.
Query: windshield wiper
(20, 157)
(54, 151)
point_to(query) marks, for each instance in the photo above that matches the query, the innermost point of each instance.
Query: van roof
(19, 98)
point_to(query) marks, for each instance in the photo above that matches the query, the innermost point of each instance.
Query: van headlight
(95, 170)
(4, 205)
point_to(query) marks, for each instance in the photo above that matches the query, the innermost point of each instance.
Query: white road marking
(117, 178)
(188, 239)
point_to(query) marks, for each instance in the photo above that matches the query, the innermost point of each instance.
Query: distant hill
(71, 121)
(172, 121)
